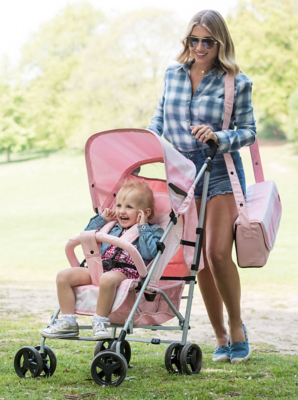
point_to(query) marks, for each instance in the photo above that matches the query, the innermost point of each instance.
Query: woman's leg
(109, 281)
(65, 281)
(220, 281)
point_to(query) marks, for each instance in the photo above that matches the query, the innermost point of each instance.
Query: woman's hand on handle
(203, 133)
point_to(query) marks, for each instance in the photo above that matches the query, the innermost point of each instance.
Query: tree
(14, 132)
(49, 59)
(266, 40)
(120, 75)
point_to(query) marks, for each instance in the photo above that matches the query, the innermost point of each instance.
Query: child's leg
(66, 280)
(107, 291)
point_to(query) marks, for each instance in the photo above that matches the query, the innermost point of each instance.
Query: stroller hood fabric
(111, 155)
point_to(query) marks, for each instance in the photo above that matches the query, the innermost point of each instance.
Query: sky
(20, 18)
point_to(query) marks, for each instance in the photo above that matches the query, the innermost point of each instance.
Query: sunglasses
(193, 41)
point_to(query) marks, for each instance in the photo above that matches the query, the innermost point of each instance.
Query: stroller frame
(180, 357)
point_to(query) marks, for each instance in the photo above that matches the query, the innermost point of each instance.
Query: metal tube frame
(183, 322)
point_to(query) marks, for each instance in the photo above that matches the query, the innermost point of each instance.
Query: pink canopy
(112, 155)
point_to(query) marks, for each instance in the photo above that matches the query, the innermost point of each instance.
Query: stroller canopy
(112, 155)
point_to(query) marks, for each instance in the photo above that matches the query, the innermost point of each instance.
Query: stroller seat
(149, 312)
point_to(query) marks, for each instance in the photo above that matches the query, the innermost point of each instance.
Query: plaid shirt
(177, 110)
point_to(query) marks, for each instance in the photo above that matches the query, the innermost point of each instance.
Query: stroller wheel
(191, 359)
(102, 345)
(108, 368)
(125, 349)
(172, 358)
(28, 362)
(49, 362)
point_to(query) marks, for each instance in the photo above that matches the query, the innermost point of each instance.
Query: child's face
(128, 209)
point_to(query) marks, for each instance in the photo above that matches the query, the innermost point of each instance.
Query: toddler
(134, 205)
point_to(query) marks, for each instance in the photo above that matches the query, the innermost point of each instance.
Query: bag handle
(256, 161)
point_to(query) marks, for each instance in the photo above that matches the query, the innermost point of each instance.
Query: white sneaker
(99, 329)
(60, 328)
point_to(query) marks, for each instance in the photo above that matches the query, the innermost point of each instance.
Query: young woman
(134, 205)
(190, 112)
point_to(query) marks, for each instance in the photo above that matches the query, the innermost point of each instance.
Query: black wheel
(191, 359)
(125, 349)
(108, 368)
(172, 358)
(28, 362)
(102, 345)
(49, 361)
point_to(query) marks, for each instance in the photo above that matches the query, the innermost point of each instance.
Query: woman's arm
(242, 118)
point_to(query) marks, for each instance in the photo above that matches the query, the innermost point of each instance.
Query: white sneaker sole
(102, 336)
(239, 360)
(59, 335)
(222, 358)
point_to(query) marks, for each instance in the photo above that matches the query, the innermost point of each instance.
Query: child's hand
(108, 214)
(142, 219)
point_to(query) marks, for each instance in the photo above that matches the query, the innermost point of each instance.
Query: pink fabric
(259, 215)
(256, 162)
(128, 149)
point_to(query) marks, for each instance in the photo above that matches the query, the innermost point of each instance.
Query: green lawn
(44, 201)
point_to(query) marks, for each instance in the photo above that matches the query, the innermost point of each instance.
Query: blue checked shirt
(177, 110)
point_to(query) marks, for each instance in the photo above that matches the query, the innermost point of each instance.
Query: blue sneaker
(221, 354)
(240, 351)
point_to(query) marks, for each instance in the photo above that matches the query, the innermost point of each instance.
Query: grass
(266, 375)
(44, 202)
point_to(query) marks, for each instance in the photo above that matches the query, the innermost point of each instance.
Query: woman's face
(202, 56)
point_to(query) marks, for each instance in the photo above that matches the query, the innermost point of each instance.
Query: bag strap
(237, 191)
(254, 148)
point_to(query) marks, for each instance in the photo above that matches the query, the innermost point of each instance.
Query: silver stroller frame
(111, 356)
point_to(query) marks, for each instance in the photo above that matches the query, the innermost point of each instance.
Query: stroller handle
(212, 147)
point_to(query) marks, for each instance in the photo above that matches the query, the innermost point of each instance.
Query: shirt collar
(218, 72)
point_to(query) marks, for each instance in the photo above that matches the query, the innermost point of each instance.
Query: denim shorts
(219, 182)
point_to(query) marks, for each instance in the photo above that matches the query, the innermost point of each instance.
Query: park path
(272, 321)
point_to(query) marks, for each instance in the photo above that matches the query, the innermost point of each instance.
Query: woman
(190, 112)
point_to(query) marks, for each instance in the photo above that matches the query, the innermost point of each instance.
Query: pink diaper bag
(260, 213)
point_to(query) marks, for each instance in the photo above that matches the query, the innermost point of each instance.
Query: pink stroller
(149, 302)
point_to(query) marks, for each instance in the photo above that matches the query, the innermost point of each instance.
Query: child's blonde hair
(145, 198)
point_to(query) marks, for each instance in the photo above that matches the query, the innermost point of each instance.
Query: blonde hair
(216, 25)
(144, 198)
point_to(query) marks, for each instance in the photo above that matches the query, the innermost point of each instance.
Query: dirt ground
(271, 321)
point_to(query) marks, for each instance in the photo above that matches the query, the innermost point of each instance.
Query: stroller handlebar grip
(212, 147)
(69, 251)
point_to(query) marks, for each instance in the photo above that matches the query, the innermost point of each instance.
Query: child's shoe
(222, 354)
(99, 328)
(61, 327)
(240, 351)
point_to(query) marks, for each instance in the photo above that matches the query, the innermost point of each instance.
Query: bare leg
(220, 281)
(65, 281)
(107, 291)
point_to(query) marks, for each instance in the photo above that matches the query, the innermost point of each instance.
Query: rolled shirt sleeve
(242, 119)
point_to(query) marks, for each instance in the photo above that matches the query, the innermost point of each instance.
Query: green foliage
(119, 77)
(15, 134)
(266, 40)
(49, 59)
(293, 115)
